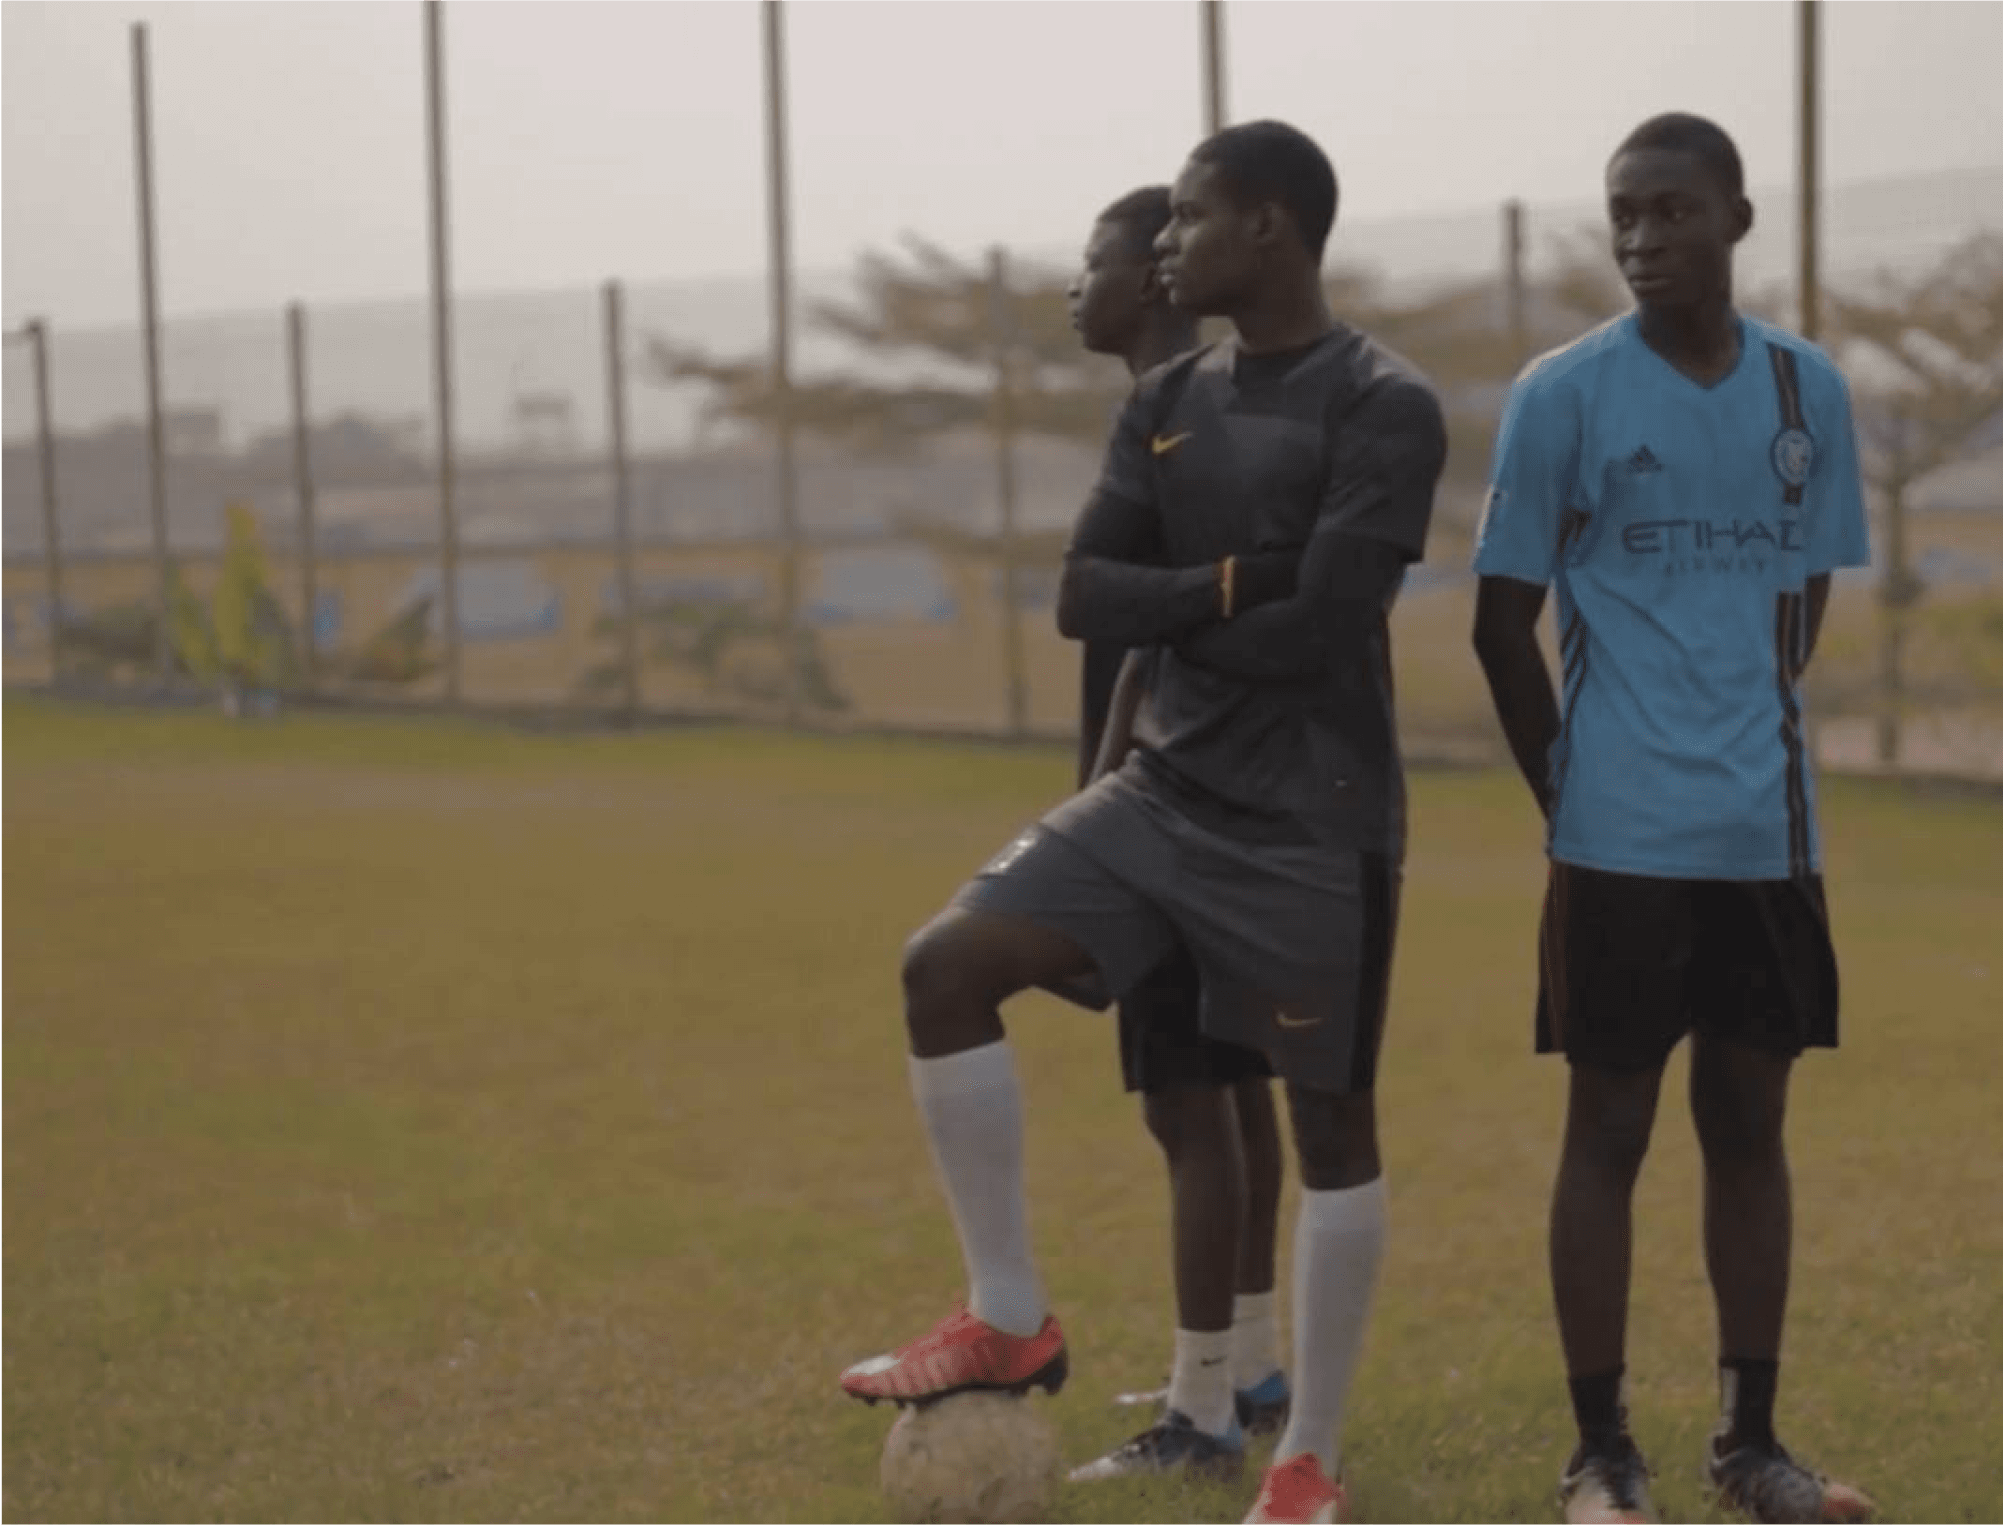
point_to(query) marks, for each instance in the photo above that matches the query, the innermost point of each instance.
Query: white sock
(971, 1104)
(1255, 1339)
(1338, 1244)
(1200, 1384)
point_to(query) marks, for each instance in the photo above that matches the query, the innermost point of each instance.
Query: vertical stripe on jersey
(1787, 381)
(1788, 635)
(1572, 644)
(1571, 649)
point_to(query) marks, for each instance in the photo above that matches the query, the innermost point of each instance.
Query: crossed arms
(1273, 614)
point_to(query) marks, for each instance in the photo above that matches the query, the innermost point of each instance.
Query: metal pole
(622, 496)
(1895, 590)
(1213, 66)
(1808, 32)
(302, 479)
(1002, 335)
(780, 275)
(149, 321)
(1512, 278)
(45, 447)
(441, 343)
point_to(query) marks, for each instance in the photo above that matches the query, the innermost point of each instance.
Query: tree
(934, 309)
(927, 312)
(929, 326)
(1926, 358)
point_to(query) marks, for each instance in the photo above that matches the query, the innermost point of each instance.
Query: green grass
(414, 1120)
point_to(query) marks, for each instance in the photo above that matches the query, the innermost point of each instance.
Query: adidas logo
(1642, 461)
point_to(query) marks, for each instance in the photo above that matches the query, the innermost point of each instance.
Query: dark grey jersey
(1275, 724)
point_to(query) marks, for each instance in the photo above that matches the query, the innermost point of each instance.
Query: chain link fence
(622, 552)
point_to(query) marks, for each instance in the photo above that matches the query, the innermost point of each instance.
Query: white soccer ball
(975, 1457)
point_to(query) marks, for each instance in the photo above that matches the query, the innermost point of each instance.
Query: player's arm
(1371, 526)
(1519, 681)
(1114, 587)
(1111, 589)
(1815, 603)
(1118, 739)
(1516, 555)
(1838, 532)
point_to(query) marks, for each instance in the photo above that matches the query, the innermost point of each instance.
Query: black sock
(1746, 1388)
(1597, 1406)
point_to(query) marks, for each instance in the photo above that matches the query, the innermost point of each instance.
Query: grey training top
(1275, 725)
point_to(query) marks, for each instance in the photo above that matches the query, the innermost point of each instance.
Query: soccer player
(1208, 1104)
(1260, 501)
(1686, 477)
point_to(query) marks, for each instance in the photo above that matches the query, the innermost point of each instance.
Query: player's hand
(1264, 577)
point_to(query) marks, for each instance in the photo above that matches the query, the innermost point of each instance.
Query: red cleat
(961, 1355)
(1298, 1492)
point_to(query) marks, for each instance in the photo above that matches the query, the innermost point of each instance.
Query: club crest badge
(1793, 455)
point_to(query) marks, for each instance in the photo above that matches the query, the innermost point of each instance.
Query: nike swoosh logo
(1161, 445)
(1280, 1015)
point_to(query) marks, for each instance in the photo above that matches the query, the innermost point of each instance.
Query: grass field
(411, 1120)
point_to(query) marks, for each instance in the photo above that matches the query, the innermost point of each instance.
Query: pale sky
(598, 139)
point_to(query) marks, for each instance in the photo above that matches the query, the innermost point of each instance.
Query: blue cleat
(1263, 1410)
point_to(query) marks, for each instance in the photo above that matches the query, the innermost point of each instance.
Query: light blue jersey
(1679, 523)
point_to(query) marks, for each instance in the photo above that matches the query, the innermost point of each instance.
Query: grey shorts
(1292, 942)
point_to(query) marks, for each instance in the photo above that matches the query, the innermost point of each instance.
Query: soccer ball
(976, 1457)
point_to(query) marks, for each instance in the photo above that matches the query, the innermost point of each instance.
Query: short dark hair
(1270, 161)
(1701, 138)
(1141, 214)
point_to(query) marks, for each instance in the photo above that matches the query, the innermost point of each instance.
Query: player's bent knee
(927, 968)
(955, 978)
(939, 971)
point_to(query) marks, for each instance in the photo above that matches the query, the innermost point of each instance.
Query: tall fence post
(45, 451)
(1895, 594)
(1213, 67)
(1512, 280)
(622, 497)
(441, 344)
(779, 271)
(1215, 110)
(1001, 332)
(1808, 27)
(302, 481)
(149, 317)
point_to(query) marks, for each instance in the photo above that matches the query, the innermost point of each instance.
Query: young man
(1687, 479)
(1207, 1103)
(1260, 502)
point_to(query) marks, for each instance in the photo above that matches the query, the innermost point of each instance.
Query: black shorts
(1162, 1042)
(1628, 964)
(1292, 942)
